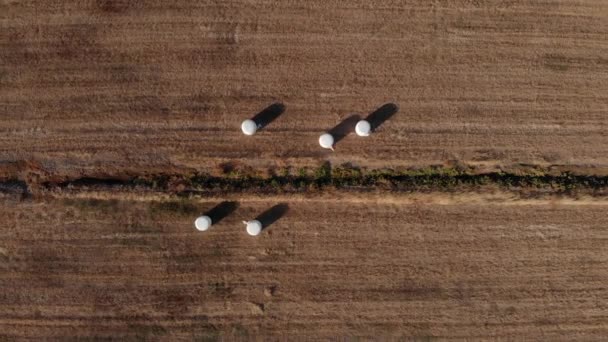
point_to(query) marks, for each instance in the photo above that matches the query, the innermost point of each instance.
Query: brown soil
(381, 266)
(112, 90)
(96, 86)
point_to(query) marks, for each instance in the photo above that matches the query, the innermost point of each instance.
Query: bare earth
(350, 268)
(111, 87)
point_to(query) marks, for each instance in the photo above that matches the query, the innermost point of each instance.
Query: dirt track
(110, 87)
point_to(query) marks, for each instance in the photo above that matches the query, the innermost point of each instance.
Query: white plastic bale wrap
(363, 128)
(326, 141)
(249, 127)
(202, 223)
(254, 227)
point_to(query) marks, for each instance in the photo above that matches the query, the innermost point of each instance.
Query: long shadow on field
(272, 215)
(220, 211)
(381, 114)
(344, 128)
(269, 114)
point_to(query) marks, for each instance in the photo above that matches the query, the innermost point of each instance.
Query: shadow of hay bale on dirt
(344, 128)
(269, 114)
(272, 215)
(380, 115)
(222, 210)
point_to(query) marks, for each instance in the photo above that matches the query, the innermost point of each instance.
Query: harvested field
(386, 266)
(110, 85)
(476, 210)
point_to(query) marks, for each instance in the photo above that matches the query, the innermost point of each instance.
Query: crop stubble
(112, 87)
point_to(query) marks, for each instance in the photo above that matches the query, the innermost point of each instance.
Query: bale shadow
(344, 128)
(272, 215)
(269, 114)
(381, 114)
(220, 211)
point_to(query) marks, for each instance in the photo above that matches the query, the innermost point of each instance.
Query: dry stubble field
(132, 269)
(109, 88)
